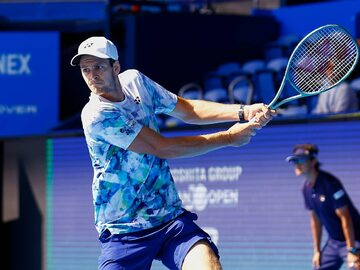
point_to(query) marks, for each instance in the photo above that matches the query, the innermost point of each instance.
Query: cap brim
(290, 158)
(296, 157)
(76, 59)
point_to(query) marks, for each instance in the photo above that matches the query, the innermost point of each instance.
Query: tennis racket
(321, 60)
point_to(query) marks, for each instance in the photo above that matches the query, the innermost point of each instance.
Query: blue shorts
(168, 243)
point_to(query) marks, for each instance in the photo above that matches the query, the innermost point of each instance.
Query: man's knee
(201, 256)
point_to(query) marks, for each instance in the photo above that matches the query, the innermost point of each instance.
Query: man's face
(98, 74)
(303, 166)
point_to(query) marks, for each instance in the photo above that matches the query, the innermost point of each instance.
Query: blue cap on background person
(96, 46)
(303, 152)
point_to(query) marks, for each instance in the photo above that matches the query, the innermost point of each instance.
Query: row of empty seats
(242, 87)
(282, 47)
(232, 82)
(253, 81)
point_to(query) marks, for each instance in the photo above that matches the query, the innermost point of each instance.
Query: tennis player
(138, 213)
(330, 206)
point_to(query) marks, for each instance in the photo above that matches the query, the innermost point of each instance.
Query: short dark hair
(313, 152)
(312, 149)
(112, 61)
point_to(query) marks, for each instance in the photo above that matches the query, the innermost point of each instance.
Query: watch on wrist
(241, 112)
(353, 250)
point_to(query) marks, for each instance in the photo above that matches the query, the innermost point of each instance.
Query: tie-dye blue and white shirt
(131, 191)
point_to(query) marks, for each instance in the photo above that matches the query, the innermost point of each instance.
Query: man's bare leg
(201, 257)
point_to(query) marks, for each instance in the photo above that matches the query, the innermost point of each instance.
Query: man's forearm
(348, 228)
(316, 230)
(196, 145)
(202, 112)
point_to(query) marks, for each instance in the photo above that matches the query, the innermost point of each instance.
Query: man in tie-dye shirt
(138, 212)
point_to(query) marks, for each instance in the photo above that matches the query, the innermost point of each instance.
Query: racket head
(322, 59)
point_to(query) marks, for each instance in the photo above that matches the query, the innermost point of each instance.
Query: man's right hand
(241, 133)
(259, 111)
(316, 259)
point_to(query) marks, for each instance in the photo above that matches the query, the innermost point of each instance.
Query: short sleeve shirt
(327, 195)
(342, 99)
(131, 191)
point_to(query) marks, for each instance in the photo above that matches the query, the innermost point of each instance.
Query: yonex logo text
(15, 64)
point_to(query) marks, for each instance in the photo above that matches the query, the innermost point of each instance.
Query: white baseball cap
(96, 46)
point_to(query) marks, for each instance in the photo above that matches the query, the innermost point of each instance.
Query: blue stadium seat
(355, 84)
(264, 86)
(278, 66)
(252, 66)
(191, 90)
(282, 47)
(288, 42)
(241, 90)
(219, 94)
(273, 50)
(262, 78)
(228, 68)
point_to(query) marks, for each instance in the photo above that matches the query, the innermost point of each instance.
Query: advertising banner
(29, 82)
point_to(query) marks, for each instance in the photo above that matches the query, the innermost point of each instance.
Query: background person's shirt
(340, 99)
(327, 195)
(131, 191)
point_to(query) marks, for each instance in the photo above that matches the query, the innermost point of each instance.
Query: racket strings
(310, 64)
(322, 60)
(322, 73)
(321, 69)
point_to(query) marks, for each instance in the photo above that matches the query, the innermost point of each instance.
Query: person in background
(330, 207)
(138, 213)
(340, 99)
